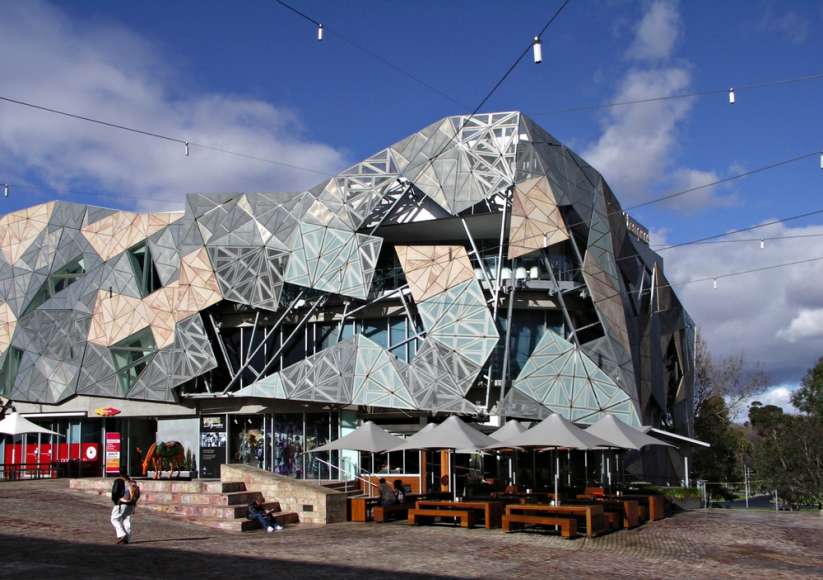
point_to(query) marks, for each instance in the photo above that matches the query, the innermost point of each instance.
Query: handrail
(323, 461)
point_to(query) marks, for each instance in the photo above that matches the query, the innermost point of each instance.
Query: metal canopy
(618, 434)
(367, 437)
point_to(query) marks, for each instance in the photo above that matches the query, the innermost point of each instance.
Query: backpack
(135, 494)
(118, 490)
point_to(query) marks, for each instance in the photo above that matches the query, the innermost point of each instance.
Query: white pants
(121, 519)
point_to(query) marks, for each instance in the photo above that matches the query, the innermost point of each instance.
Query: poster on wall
(212, 445)
(112, 453)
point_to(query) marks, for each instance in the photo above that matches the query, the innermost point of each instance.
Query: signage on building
(112, 453)
(106, 411)
(635, 228)
(212, 445)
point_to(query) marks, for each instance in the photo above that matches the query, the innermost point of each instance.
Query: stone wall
(312, 502)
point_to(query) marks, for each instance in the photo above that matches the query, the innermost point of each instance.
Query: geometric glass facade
(478, 266)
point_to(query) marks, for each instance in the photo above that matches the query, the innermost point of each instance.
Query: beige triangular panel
(8, 322)
(431, 270)
(536, 221)
(20, 228)
(119, 231)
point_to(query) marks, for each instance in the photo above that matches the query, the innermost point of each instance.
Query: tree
(787, 453)
(809, 397)
(722, 461)
(728, 377)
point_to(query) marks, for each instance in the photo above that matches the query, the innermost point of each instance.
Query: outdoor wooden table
(492, 510)
(655, 504)
(591, 513)
(628, 510)
(359, 507)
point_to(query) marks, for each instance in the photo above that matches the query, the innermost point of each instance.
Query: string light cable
(186, 143)
(321, 29)
(706, 93)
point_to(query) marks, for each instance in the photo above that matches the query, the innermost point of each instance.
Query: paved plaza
(46, 531)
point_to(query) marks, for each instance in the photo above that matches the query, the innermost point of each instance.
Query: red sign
(112, 453)
(107, 411)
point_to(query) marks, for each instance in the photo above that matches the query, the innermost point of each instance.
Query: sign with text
(212, 445)
(112, 453)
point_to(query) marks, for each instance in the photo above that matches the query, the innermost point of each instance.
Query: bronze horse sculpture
(170, 452)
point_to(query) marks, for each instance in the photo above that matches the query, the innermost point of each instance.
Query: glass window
(8, 374)
(396, 462)
(377, 330)
(144, 271)
(132, 356)
(412, 461)
(57, 281)
(397, 334)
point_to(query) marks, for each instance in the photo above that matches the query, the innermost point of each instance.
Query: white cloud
(108, 72)
(773, 316)
(636, 150)
(657, 32)
(806, 324)
(778, 395)
(634, 147)
(791, 24)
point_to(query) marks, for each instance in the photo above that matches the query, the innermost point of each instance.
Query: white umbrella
(512, 428)
(552, 433)
(451, 434)
(16, 424)
(622, 436)
(368, 437)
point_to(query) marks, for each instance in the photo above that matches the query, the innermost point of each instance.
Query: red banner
(112, 453)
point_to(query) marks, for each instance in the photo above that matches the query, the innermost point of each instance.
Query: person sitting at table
(399, 491)
(387, 496)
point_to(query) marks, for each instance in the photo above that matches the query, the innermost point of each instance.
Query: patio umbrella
(368, 437)
(512, 428)
(451, 434)
(16, 424)
(553, 433)
(621, 436)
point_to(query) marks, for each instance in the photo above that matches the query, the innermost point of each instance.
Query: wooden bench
(384, 513)
(466, 517)
(568, 526)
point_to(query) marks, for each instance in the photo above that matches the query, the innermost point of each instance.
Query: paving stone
(48, 531)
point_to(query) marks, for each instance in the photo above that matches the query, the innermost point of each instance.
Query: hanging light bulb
(762, 243)
(319, 32)
(6, 187)
(714, 283)
(537, 49)
(187, 148)
(731, 96)
(821, 161)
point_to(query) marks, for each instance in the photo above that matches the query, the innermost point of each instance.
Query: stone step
(208, 511)
(161, 486)
(244, 525)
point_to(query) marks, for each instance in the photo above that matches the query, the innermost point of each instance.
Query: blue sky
(249, 75)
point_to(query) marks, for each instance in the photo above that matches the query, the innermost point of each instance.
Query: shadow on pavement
(58, 560)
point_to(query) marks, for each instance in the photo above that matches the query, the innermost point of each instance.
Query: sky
(250, 76)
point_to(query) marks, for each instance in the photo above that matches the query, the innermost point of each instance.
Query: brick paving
(46, 531)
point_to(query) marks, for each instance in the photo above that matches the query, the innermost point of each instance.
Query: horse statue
(169, 452)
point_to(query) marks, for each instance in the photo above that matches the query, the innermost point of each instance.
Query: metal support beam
(266, 336)
(342, 321)
(319, 302)
(253, 332)
(477, 255)
(567, 317)
(221, 344)
(378, 299)
(391, 207)
(504, 374)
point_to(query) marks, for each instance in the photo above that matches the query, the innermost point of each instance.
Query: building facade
(477, 267)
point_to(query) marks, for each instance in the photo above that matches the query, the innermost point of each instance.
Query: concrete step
(240, 497)
(244, 525)
(208, 511)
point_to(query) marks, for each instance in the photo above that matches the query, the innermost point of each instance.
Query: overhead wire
(693, 94)
(334, 32)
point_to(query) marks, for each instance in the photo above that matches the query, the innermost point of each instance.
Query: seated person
(399, 491)
(387, 496)
(257, 511)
